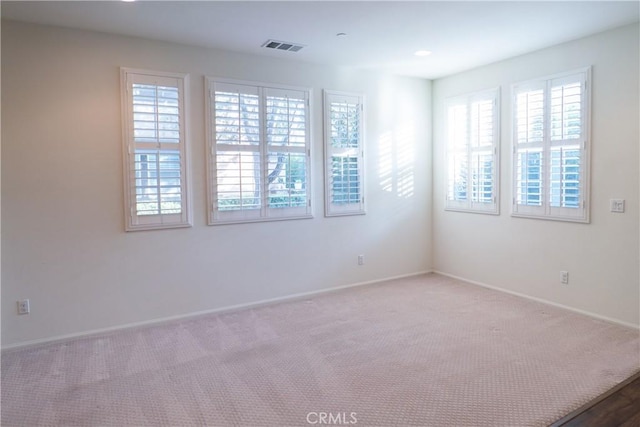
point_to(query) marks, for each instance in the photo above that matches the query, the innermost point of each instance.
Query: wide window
(155, 150)
(472, 152)
(344, 153)
(551, 147)
(259, 156)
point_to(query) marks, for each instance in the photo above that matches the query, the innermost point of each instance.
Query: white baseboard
(92, 332)
(541, 300)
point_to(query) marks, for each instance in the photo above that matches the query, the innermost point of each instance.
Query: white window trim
(468, 205)
(134, 222)
(332, 209)
(263, 214)
(546, 212)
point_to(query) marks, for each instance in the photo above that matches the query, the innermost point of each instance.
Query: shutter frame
(261, 152)
(134, 220)
(580, 79)
(351, 157)
(462, 147)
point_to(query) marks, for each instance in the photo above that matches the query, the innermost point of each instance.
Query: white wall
(526, 255)
(63, 239)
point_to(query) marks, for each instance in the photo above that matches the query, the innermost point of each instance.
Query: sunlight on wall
(405, 159)
(385, 166)
(396, 167)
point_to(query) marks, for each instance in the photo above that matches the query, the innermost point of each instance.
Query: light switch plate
(617, 205)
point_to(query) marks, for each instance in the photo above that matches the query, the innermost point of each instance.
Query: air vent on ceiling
(278, 45)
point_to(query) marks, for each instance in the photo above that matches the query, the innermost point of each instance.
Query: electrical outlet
(23, 306)
(617, 205)
(360, 259)
(564, 277)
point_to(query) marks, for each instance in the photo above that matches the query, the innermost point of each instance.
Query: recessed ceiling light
(341, 35)
(128, 1)
(422, 53)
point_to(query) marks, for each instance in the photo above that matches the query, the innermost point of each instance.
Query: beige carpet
(423, 351)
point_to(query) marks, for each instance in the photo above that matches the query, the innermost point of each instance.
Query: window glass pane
(566, 111)
(286, 180)
(565, 177)
(237, 118)
(529, 177)
(345, 180)
(482, 177)
(458, 128)
(157, 177)
(155, 113)
(238, 180)
(482, 124)
(530, 116)
(286, 121)
(458, 171)
(345, 125)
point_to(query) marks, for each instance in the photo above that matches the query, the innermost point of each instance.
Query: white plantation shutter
(235, 151)
(550, 147)
(530, 129)
(567, 143)
(287, 152)
(458, 154)
(472, 152)
(259, 152)
(344, 153)
(155, 150)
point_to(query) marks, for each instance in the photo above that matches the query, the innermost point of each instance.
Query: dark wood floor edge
(595, 401)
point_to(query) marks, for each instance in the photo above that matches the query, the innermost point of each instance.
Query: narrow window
(344, 153)
(155, 150)
(472, 152)
(259, 156)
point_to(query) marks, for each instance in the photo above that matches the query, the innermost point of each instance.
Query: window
(551, 147)
(473, 131)
(155, 150)
(344, 153)
(259, 157)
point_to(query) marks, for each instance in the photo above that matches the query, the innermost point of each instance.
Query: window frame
(264, 213)
(545, 211)
(357, 208)
(133, 221)
(469, 205)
